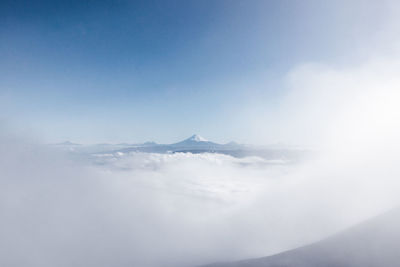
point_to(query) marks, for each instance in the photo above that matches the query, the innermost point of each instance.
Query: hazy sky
(132, 71)
(322, 73)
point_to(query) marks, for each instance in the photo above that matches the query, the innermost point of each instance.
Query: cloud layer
(184, 209)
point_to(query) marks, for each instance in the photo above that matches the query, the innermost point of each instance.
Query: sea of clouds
(181, 209)
(135, 210)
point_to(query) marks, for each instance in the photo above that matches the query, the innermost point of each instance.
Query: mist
(187, 209)
(183, 209)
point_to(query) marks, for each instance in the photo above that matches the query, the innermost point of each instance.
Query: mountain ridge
(372, 243)
(195, 144)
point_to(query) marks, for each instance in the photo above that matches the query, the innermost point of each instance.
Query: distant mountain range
(374, 243)
(194, 144)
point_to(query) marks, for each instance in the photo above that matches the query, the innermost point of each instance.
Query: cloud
(167, 210)
(142, 210)
(186, 209)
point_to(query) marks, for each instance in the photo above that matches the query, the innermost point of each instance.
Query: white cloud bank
(184, 209)
(142, 210)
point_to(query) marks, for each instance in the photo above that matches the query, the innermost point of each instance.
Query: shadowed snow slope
(374, 243)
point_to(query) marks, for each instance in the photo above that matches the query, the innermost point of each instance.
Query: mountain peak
(197, 138)
(67, 143)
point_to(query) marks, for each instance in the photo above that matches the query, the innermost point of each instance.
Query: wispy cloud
(177, 209)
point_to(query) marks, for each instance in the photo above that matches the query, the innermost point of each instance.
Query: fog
(144, 210)
(181, 209)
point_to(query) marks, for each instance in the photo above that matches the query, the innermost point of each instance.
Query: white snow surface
(197, 138)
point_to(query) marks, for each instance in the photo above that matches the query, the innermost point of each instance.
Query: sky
(134, 71)
(304, 72)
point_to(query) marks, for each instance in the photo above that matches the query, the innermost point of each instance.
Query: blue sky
(132, 71)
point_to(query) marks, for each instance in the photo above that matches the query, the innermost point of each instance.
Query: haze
(307, 90)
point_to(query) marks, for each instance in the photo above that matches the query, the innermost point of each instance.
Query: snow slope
(374, 243)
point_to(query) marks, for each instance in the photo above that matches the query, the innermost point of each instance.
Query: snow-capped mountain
(196, 138)
(67, 143)
(373, 243)
(195, 141)
(194, 144)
